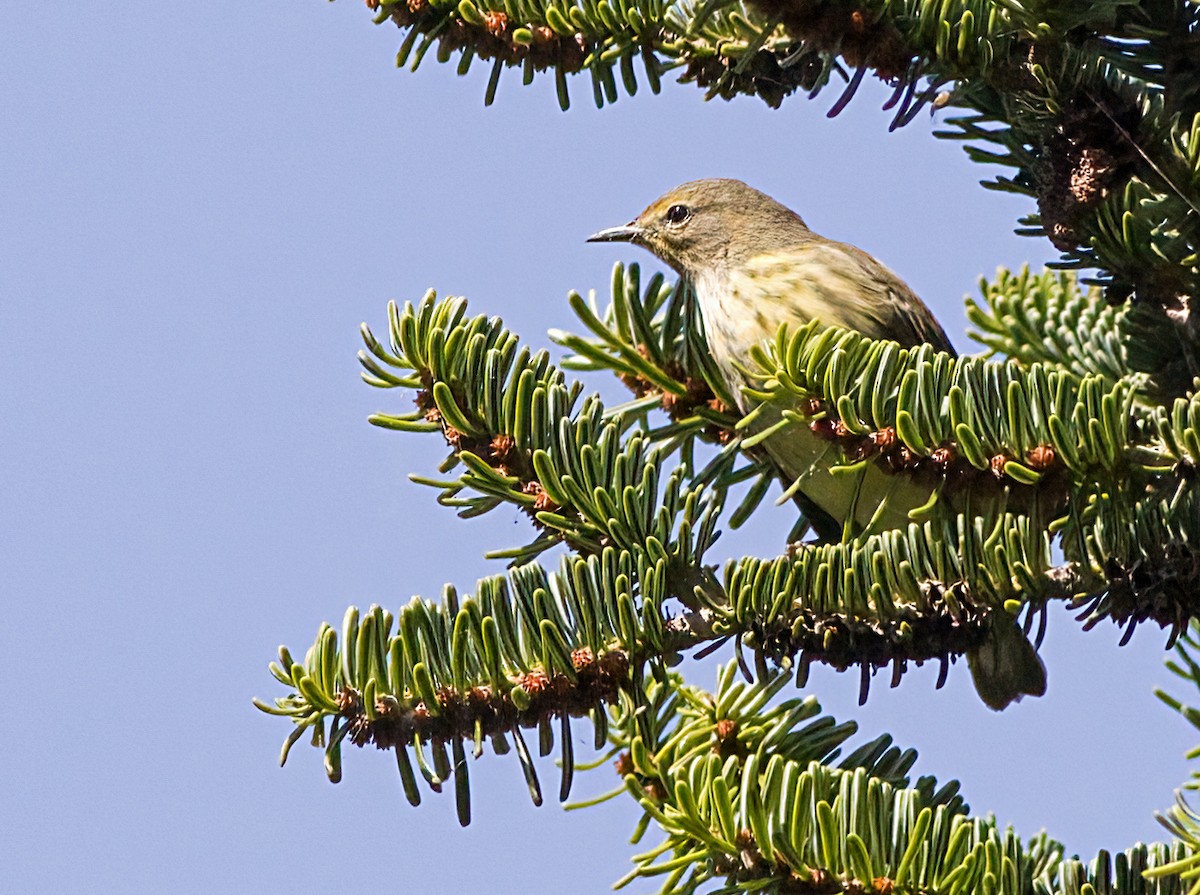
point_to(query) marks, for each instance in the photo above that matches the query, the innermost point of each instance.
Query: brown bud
(348, 700)
(582, 658)
(502, 446)
(1041, 457)
(884, 439)
(623, 764)
(534, 682)
(494, 21)
(479, 695)
(542, 501)
(943, 457)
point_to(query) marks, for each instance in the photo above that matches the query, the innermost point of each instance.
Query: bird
(754, 266)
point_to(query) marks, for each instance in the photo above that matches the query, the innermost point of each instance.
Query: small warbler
(755, 265)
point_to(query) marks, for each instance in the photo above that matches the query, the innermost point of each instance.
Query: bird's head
(707, 224)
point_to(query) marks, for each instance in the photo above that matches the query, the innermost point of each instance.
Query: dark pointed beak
(631, 232)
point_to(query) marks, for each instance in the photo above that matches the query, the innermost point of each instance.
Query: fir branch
(1023, 446)
(751, 797)
(1046, 319)
(1140, 555)
(522, 437)
(653, 341)
(527, 648)
(533, 648)
(973, 429)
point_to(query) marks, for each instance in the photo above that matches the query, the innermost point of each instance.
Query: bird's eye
(677, 214)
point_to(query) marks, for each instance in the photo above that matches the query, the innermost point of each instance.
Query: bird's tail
(1006, 666)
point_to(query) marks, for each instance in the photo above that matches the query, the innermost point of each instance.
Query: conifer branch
(750, 795)
(525, 650)
(1085, 455)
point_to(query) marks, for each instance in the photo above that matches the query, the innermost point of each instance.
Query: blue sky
(198, 207)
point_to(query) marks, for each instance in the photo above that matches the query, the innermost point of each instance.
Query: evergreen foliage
(1059, 464)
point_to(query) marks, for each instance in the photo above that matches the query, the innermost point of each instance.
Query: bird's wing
(902, 312)
(842, 285)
